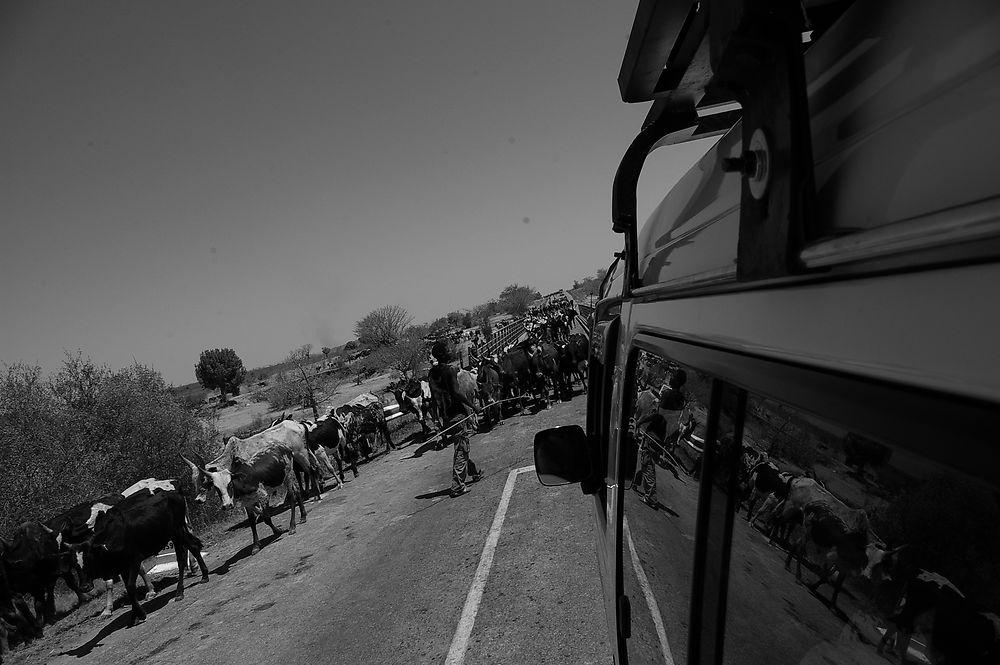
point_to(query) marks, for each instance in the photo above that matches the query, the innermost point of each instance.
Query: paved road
(380, 573)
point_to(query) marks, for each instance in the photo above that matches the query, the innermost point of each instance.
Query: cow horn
(190, 463)
(897, 550)
(47, 529)
(201, 460)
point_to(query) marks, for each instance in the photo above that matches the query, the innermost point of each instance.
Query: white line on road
(460, 642)
(654, 609)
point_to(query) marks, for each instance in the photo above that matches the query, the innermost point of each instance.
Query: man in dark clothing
(657, 429)
(455, 406)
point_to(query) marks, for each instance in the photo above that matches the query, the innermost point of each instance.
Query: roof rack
(704, 65)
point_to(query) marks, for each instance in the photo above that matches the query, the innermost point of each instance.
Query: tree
(438, 325)
(516, 298)
(326, 352)
(481, 313)
(220, 369)
(299, 357)
(589, 286)
(383, 326)
(350, 346)
(407, 356)
(467, 320)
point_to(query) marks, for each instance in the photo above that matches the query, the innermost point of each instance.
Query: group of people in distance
(551, 322)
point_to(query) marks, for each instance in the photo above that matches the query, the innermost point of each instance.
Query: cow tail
(192, 542)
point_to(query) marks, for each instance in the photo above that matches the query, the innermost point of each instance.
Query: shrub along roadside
(87, 430)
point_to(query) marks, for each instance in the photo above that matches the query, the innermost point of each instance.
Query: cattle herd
(539, 370)
(107, 538)
(800, 514)
(112, 536)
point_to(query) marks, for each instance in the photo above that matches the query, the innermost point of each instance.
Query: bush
(285, 392)
(86, 431)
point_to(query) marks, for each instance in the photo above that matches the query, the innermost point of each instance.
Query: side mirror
(561, 456)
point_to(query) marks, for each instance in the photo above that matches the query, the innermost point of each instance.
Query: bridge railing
(503, 339)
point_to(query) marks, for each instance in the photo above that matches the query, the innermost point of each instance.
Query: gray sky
(176, 176)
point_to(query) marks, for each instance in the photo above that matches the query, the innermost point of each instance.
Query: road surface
(381, 573)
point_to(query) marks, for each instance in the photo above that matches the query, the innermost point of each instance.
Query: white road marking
(459, 643)
(647, 592)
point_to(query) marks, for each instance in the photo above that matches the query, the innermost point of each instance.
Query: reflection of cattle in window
(957, 631)
(846, 544)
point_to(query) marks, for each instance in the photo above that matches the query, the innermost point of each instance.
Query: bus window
(660, 505)
(850, 550)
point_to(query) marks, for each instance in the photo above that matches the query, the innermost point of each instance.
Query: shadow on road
(667, 509)
(121, 621)
(224, 567)
(429, 445)
(409, 439)
(433, 495)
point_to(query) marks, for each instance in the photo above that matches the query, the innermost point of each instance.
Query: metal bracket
(756, 56)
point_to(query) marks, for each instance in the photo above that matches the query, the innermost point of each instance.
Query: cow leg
(265, 516)
(891, 637)
(74, 587)
(50, 602)
(109, 592)
(252, 518)
(337, 477)
(27, 619)
(39, 607)
(180, 550)
(296, 500)
(903, 648)
(299, 479)
(138, 616)
(150, 591)
(317, 483)
(766, 506)
(837, 585)
(751, 502)
(792, 551)
(193, 546)
(353, 465)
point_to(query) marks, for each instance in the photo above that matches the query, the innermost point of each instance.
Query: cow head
(205, 481)
(879, 562)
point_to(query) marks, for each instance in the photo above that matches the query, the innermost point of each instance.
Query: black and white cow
(287, 433)
(135, 529)
(102, 506)
(329, 436)
(266, 478)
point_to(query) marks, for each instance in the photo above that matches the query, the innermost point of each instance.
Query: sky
(180, 176)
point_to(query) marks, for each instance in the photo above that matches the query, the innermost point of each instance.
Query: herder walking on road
(454, 406)
(658, 429)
